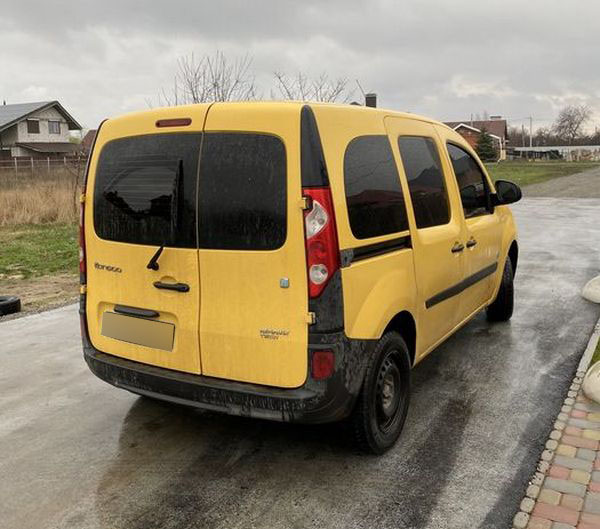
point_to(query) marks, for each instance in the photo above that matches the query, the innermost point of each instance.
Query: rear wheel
(501, 308)
(382, 405)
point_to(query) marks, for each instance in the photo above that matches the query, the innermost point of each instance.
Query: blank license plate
(155, 334)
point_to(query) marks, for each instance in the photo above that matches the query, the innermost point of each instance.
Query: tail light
(82, 278)
(323, 364)
(322, 252)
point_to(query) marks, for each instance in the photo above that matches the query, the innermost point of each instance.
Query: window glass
(373, 194)
(472, 183)
(54, 127)
(145, 190)
(242, 195)
(423, 171)
(33, 126)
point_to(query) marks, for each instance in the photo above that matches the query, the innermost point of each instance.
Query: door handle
(178, 287)
(471, 243)
(458, 247)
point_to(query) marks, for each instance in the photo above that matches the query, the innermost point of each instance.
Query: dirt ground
(41, 293)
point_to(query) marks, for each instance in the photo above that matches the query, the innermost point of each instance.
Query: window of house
(373, 194)
(33, 126)
(423, 171)
(54, 127)
(472, 183)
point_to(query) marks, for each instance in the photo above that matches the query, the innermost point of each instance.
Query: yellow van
(286, 261)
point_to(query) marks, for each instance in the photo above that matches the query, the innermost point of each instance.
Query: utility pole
(530, 131)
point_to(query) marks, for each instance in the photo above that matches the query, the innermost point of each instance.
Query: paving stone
(584, 453)
(563, 485)
(547, 455)
(562, 417)
(579, 414)
(567, 409)
(527, 504)
(551, 444)
(579, 442)
(520, 520)
(575, 386)
(573, 430)
(569, 401)
(556, 471)
(566, 450)
(591, 503)
(555, 434)
(583, 423)
(596, 475)
(571, 393)
(591, 407)
(594, 486)
(543, 466)
(591, 434)
(537, 479)
(559, 425)
(571, 502)
(580, 476)
(573, 463)
(597, 464)
(593, 416)
(533, 491)
(592, 519)
(560, 525)
(539, 523)
(556, 513)
(582, 398)
(551, 497)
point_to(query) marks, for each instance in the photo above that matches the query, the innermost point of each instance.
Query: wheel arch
(513, 254)
(404, 324)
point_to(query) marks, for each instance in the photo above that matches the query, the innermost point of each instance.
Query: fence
(18, 169)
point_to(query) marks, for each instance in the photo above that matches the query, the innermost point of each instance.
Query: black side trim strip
(463, 285)
(134, 311)
(352, 255)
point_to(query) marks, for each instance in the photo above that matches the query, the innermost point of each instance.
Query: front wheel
(382, 404)
(501, 308)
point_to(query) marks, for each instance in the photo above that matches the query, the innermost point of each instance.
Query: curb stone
(564, 491)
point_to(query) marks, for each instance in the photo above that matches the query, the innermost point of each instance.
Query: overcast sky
(444, 59)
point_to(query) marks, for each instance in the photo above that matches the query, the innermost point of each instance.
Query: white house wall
(44, 136)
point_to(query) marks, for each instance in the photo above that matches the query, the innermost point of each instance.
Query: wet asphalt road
(77, 453)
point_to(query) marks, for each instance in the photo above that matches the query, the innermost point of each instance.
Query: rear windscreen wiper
(153, 263)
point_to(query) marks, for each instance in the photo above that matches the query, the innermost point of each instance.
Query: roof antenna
(360, 88)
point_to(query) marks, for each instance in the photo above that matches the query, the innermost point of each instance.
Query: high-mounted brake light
(174, 122)
(322, 252)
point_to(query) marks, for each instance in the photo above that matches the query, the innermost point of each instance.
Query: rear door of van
(252, 264)
(141, 196)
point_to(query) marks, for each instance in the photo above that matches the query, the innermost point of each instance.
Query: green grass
(526, 173)
(30, 251)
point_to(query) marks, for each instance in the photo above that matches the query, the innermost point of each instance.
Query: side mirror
(506, 193)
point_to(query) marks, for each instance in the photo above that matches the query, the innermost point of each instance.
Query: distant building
(36, 130)
(88, 141)
(496, 127)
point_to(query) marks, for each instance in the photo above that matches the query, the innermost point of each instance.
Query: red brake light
(82, 241)
(322, 251)
(323, 364)
(174, 122)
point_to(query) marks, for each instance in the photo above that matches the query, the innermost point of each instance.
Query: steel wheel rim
(388, 392)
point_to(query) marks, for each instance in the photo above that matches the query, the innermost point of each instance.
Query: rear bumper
(314, 402)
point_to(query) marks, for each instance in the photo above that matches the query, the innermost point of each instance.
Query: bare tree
(210, 78)
(303, 88)
(570, 121)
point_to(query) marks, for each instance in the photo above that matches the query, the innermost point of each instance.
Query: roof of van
(299, 104)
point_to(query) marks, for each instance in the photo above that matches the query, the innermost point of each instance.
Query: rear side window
(373, 194)
(423, 171)
(242, 192)
(471, 181)
(145, 190)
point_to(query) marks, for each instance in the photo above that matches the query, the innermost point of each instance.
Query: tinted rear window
(242, 192)
(145, 190)
(373, 194)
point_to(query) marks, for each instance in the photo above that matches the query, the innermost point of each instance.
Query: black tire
(9, 305)
(382, 405)
(501, 308)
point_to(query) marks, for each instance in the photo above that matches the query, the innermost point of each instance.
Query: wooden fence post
(16, 169)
